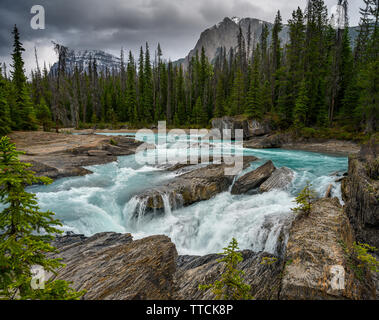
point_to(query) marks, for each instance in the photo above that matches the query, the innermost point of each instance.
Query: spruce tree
(44, 115)
(141, 84)
(22, 112)
(276, 57)
(301, 107)
(254, 107)
(369, 99)
(131, 99)
(25, 233)
(5, 118)
(238, 94)
(148, 89)
(220, 100)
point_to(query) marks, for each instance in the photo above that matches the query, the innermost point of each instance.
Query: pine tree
(369, 98)
(199, 117)
(254, 107)
(25, 233)
(44, 115)
(294, 68)
(141, 84)
(220, 100)
(22, 112)
(276, 57)
(5, 117)
(238, 94)
(131, 98)
(301, 107)
(316, 61)
(148, 89)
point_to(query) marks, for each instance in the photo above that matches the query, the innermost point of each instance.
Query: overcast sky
(111, 24)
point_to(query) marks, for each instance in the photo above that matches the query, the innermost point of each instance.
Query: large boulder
(360, 191)
(193, 271)
(197, 185)
(265, 142)
(316, 253)
(280, 179)
(112, 266)
(251, 128)
(253, 179)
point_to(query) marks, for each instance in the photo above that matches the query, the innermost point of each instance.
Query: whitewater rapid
(106, 201)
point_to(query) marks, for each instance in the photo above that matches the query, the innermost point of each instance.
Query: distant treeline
(316, 80)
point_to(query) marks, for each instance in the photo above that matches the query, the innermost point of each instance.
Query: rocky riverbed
(58, 155)
(115, 266)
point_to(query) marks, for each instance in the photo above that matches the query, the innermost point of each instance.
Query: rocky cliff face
(315, 253)
(224, 35)
(360, 192)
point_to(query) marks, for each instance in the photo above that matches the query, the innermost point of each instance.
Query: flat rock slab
(253, 179)
(58, 155)
(279, 180)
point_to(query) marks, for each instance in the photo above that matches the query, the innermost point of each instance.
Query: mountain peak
(236, 20)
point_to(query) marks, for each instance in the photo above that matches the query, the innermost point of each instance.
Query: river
(105, 201)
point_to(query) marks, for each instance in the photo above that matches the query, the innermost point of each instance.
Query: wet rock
(251, 128)
(360, 192)
(198, 185)
(314, 248)
(280, 179)
(112, 266)
(192, 271)
(254, 179)
(328, 193)
(98, 153)
(265, 142)
(202, 183)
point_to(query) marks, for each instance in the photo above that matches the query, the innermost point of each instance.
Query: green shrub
(361, 252)
(308, 132)
(305, 200)
(113, 142)
(268, 261)
(359, 259)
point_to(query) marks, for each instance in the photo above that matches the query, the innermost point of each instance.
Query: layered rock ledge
(63, 155)
(113, 266)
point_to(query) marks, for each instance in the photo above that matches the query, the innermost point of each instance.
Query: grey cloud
(112, 24)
